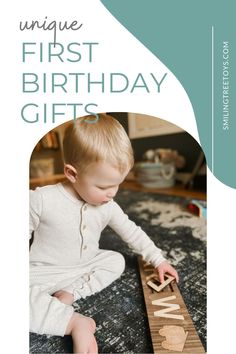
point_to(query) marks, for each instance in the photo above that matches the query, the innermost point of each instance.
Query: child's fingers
(161, 276)
(167, 268)
(176, 277)
(174, 274)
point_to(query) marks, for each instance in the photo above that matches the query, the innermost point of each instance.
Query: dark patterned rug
(119, 310)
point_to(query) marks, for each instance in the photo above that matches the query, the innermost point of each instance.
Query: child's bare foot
(82, 331)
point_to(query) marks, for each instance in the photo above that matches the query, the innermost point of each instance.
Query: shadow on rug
(119, 310)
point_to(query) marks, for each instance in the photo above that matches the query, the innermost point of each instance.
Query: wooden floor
(178, 190)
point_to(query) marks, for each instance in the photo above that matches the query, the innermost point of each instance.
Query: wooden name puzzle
(172, 330)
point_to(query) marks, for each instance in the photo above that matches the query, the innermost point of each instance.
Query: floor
(177, 190)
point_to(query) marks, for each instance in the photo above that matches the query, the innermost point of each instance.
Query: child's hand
(165, 267)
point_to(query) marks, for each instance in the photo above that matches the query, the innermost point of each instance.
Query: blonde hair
(97, 139)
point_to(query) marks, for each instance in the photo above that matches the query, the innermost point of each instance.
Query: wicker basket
(155, 175)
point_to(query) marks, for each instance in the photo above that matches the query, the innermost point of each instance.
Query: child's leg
(49, 315)
(54, 314)
(82, 330)
(64, 297)
(97, 274)
(84, 279)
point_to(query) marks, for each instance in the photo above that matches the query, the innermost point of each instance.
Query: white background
(118, 51)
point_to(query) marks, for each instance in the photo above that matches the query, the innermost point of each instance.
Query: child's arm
(138, 240)
(164, 268)
(34, 210)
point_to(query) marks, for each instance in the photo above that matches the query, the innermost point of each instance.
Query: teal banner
(196, 41)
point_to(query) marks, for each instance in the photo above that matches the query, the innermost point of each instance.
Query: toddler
(66, 219)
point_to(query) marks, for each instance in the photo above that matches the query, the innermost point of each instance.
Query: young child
(66, 263)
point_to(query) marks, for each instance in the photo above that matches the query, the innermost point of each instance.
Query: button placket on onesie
(98, 270)
(78, 287)
(83, 228)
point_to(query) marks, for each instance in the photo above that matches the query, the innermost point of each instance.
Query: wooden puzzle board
(174, 306)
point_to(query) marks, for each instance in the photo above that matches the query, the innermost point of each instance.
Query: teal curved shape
(188, 36)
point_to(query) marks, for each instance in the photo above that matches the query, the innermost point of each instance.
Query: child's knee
(119, 263)
(48, 315)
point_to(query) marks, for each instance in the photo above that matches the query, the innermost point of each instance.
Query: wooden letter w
(169, 308)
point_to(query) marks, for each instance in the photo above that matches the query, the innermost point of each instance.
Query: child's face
(99, 183)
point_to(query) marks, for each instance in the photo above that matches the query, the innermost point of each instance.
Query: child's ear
(70, 173)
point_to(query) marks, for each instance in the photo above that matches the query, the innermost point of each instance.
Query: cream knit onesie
(65, 253)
